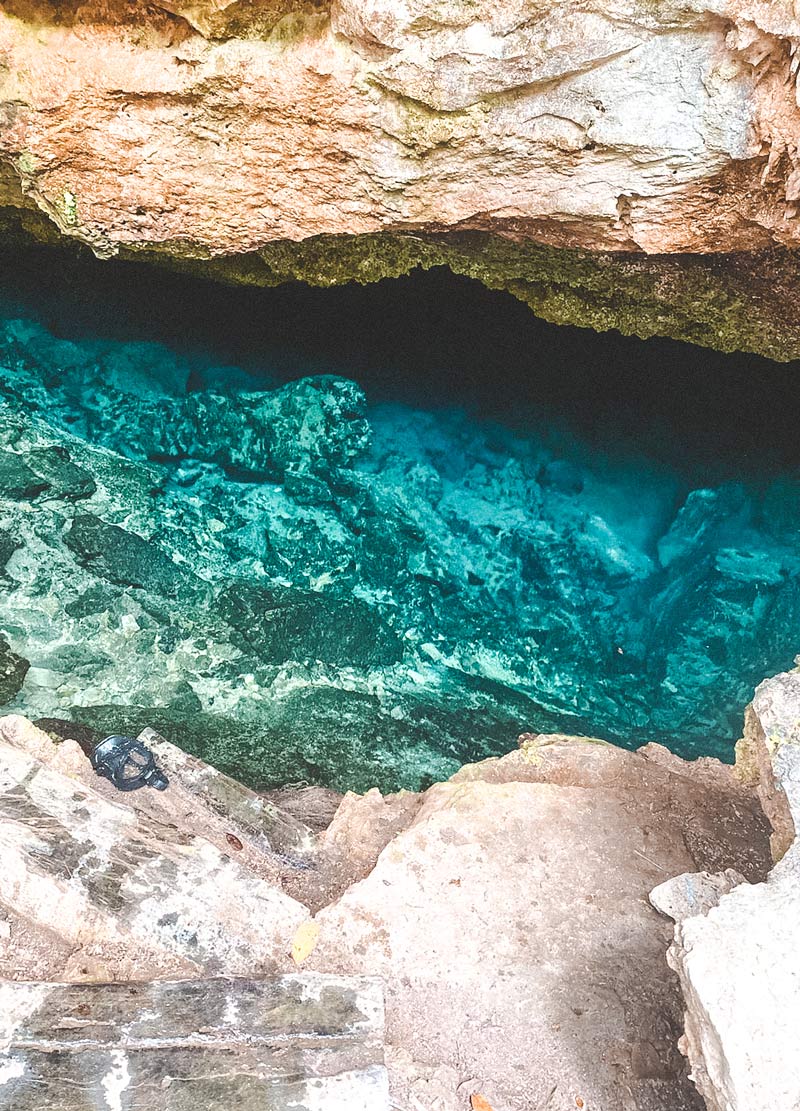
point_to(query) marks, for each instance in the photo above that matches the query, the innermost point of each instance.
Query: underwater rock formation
(303, 586)
(347, 141)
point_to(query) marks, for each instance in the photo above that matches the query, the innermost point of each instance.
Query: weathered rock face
(232, 130)
(603, 125)
(510, 924)
(288, 1042)
(504, 911)
(735, 946)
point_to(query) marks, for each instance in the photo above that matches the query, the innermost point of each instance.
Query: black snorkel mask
(128, 763)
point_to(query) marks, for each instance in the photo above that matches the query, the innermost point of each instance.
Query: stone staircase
(208, 948)
(170, 973)
(304, 1041)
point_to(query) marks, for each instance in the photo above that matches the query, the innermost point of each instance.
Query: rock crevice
(735, 947)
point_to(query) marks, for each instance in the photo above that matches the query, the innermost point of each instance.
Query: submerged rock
(65, 480)
(122, 556)
(18, 481)
(308, 588)
(13, 669)
(282, 625)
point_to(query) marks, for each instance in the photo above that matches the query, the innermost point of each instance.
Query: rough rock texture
(298, 585)
(360, 117)
(511, 925)
(301, 1041)
(232, 131)
(131, 892)
(736, 952)
(505, 911)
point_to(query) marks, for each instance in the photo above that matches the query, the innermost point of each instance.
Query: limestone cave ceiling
(589, 158)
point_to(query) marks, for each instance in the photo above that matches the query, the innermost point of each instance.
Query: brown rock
(512, 926)
(617, 125)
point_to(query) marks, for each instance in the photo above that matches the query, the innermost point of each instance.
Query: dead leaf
(479, 1103)
(305, 941)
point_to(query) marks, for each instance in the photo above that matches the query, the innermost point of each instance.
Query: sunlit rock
(735, 946)
(601, 125)
(352, 140)
(510, 922)
(503, 910)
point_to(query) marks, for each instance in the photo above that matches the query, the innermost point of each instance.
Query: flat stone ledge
(304, 1041)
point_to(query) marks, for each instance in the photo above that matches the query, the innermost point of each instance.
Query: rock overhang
(623, 166)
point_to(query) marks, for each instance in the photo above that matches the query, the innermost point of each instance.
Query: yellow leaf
(480, 1103)
(305, 941)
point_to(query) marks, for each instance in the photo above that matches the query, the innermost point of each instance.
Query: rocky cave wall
(587, 157)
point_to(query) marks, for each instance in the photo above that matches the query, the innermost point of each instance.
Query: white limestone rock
(737, 955)
(132, 895)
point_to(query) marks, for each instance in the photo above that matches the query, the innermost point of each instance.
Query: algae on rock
(727, 302)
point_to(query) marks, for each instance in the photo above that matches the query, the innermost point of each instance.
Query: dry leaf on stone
(480, 1103)
(305, 941)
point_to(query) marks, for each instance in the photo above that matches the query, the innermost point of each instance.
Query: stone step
(199, 800)
(260, 826)
(302, 1041)
(147, 897)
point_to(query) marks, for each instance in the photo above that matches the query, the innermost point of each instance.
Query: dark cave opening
(437, 339)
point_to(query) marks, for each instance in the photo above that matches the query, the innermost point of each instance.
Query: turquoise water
(359, 537)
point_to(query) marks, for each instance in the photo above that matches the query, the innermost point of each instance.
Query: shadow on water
(434, 340)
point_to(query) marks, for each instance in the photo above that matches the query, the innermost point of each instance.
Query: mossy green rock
(17, 480)
(13, 669)
(122, 556)
(729, 302)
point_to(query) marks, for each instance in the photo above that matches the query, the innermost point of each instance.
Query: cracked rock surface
(605, 125)
(505, 911)
(735, 949)
(260, 141)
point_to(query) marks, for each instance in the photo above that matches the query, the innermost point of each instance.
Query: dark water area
(361, 535)
(438, 340)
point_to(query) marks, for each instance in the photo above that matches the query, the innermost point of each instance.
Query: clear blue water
(362, 535)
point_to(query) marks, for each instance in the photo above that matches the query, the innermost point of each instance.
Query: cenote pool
(360, 536)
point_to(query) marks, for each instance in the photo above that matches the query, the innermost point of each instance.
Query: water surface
(360, 536)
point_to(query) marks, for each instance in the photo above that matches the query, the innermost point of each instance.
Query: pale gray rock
(136, 893)
(693, 893)
(737, 957)
(505, 911)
